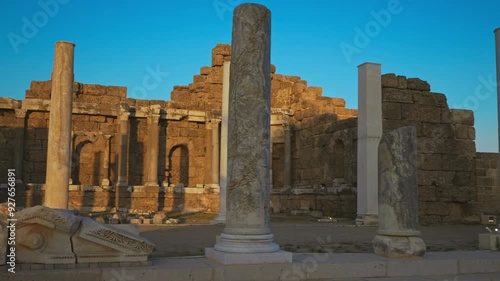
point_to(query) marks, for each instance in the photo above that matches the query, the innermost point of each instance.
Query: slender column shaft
(369, 134)
(153, 147)
(221, 217)
(105, 181)
(123, 149)
(122, 182)
(19, 145)
(288, 157)
(59, 141)
(215, 151)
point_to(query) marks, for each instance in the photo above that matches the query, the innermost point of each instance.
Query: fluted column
(19, 146)
(153, 147)
(247, 237)
(369, 134)
(59, 141)
(122, 142)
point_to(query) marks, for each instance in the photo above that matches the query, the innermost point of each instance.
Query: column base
(220, 219)
(248, 258)
(398, 246)
(367, 220)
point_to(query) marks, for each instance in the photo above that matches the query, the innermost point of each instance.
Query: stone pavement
(299, 236)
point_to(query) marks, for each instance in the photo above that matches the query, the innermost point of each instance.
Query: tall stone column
(369, 134)
(397, 235)
(288, 157)
(215, 151)
(59, 141)
(221, 217)
(497, 44)
(19, 146)
(105, 166)
(247, 237)
(122, 180)
(153, 147)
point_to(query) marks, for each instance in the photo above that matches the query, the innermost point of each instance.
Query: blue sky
(448, 43)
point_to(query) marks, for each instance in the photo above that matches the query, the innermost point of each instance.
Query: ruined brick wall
(488, 185)
(446, 148)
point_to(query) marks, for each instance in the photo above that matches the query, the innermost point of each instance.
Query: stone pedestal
(247, 237)
(152, 152)
(369, 133)
(397, 235)
(19, 148)
(221, 216)
(59, 140)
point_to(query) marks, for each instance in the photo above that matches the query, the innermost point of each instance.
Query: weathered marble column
(497, 44)
(247, 237)
(397, 235)
(215, 151)
(153, 147)
(59, 141)
(288, 157)
(105, 165)
(221, 217)
(369, 133)
(19, 146)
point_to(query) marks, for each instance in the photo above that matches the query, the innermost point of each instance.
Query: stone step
(439, 266)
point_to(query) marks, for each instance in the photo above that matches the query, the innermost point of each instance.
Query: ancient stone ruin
(149, 155)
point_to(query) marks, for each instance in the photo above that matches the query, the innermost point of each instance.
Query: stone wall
(324, 149)
(323, 134)
(446, 148)
(487, 183)
(7, 141)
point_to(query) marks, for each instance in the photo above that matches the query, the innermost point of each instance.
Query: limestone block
(391, 110)
(417, 84)
(389, 80)
(489, 241)
(402, 82)
(396, 95)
